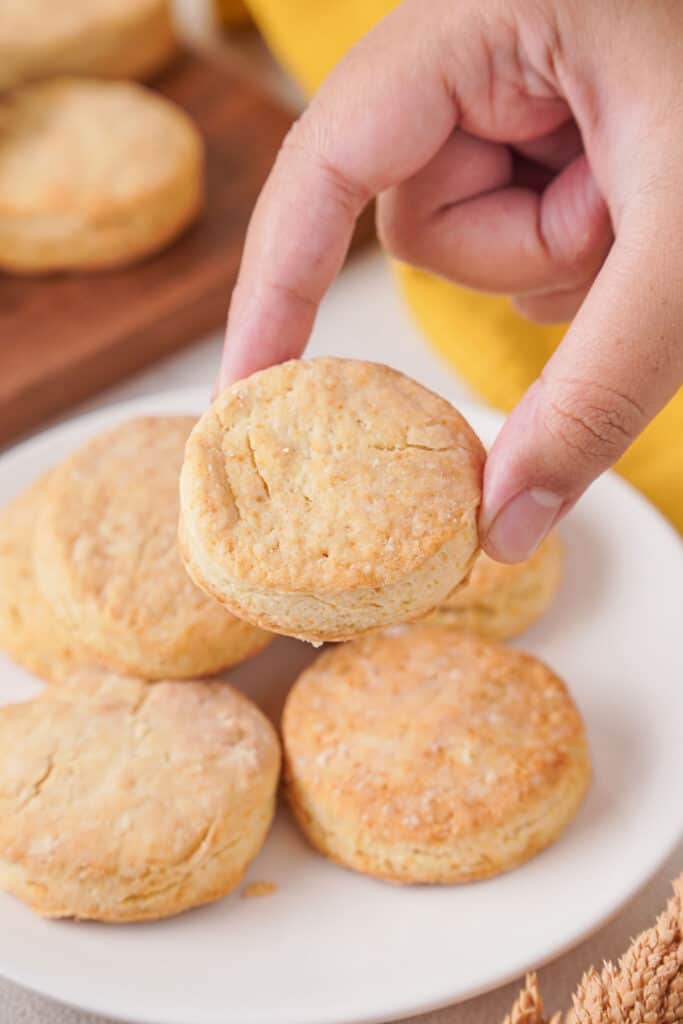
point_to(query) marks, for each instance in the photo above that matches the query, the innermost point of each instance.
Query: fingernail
(522, 524)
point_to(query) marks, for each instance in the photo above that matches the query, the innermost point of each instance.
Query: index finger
(362, 133)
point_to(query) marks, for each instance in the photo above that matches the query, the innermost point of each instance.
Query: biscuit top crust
(328, 474)
(112, 775)
(108, 534)
(73, 145)
(424, 733)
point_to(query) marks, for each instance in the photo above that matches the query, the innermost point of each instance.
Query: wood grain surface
(64, 337)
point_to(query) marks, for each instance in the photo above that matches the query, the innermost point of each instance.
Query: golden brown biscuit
(108, 38)
(107, 561)
(93, 174)
(325, 498)
(420, 754)
(124, 801)
(29, 630)
(501, 601)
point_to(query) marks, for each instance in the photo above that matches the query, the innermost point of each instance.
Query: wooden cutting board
(64, 337)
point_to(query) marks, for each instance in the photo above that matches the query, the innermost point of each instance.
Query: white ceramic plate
(330, 946)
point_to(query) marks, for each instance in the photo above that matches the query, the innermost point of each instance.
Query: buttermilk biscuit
(107, 561)
(111, 38)
(123, 801)
(423, 755)
(501, 601)
(30, 632)
(325, 498)
(93, 174)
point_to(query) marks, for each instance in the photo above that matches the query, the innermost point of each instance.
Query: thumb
(620, 362)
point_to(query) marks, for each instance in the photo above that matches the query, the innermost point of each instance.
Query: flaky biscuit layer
(30, 632)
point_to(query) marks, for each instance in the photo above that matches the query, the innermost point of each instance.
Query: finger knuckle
(397, 228)
(538, 311)
(305, 144)
(297, 141)
(580, 265)
(594, 421)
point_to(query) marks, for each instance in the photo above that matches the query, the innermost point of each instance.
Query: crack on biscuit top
(341, 471)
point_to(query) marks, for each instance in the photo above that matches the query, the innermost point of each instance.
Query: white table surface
(363, 317)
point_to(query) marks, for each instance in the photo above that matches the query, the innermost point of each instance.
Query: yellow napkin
(493, 348)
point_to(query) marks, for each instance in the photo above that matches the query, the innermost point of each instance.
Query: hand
(529, 147)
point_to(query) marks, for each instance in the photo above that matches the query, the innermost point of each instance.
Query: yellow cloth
(493, 348)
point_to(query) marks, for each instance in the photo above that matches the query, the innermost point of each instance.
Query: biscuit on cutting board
(325, 498)
(93, 174)
(420, 754)
(127, 801)
(501, 601)
(106, 558)
(107, 38)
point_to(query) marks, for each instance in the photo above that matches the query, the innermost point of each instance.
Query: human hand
(526, 147)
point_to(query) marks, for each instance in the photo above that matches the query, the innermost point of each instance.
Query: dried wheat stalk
(646, 986)
(528, 1008)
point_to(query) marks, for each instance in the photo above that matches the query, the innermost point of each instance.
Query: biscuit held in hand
(326, 498)
(420, 754)
(438, 112)
(126, 801)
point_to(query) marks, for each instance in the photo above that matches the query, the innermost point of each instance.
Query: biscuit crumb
(256, 889)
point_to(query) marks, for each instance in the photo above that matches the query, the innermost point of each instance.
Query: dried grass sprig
(646, 986)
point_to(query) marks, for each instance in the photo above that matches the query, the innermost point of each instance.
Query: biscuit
(326, 498)
(29, 630)
(107, 38)
(501, 601)
(420, 754)
(93, 174)
(106, 558)
(124, 801)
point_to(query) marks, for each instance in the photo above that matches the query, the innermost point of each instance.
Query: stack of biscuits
(129, 789)
(96, 170)
(331, 500)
